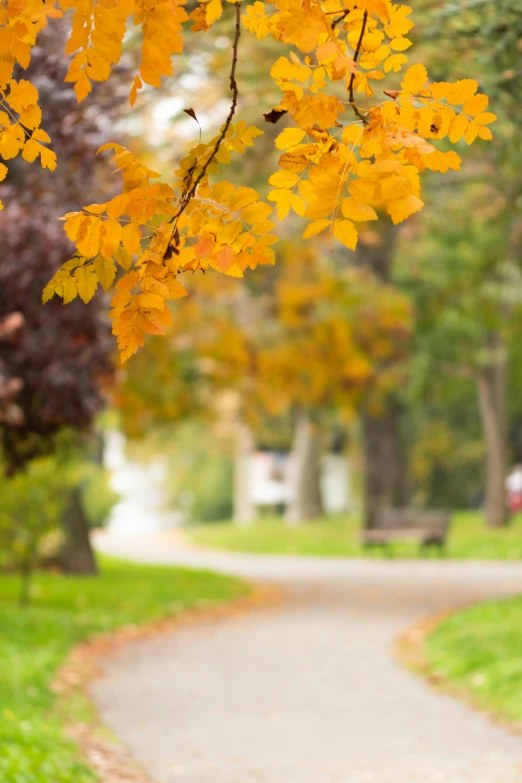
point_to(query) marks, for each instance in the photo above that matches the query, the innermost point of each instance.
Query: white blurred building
(141, 508)
(269, 476)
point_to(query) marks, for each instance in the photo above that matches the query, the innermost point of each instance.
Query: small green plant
(32, 503)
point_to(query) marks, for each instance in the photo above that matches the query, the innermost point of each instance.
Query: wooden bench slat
(426, 527)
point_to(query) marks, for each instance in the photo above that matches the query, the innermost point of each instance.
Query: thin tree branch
(344, 14)
(352, 78)
(191, 191)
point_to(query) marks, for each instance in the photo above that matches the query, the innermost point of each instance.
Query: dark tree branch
(352, 78)
(191, 191)
(344, 14)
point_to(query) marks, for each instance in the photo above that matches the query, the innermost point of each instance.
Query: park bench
(428, 528)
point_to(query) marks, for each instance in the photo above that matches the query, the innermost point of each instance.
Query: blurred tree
(384, 449)
(470, 298)
(32, 503)
(54, 361)
(312, 340)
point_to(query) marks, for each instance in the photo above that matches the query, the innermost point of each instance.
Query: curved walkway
(308, 691)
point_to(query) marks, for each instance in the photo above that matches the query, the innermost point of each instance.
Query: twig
(352, 78)
(344, 14)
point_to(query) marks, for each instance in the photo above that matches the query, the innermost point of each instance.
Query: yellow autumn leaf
(176, 290)
(400, 44)
(213, 11)
(284, 69)
(131, 238)
(297, 204)
(471, 133)
(67, 288)
(461, 91)
(234, 271)
(401, 208)
(73, 225)
(21, 94)
(415, 79)
(33, 149)
(486, 118)
(284, 179)
(256, 212)
(112, 237)
(395, 62)
(117, 205)
(124, 259)
(105, 270)
(475, 105)
(484, 133)
(289, 138)
(88, 241)
(87, 282)
(315, 227)
(458, 128)
(83, 87)
(346, 233)
(355, 210)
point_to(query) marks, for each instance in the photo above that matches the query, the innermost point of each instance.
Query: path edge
(409, 648)
(102, 751)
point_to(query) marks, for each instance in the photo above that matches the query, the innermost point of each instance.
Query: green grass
(468, 538)
(66, 610)
(480, 650)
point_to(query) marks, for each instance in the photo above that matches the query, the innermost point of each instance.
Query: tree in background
(309, 343)
(464, 273)
(55, 360)
(343, 335)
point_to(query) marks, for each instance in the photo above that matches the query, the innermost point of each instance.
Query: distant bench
(428, 528)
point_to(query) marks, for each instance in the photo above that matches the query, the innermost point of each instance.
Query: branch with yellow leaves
(352, 78)
(191, 191)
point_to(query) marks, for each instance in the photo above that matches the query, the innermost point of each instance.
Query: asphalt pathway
(307, 691)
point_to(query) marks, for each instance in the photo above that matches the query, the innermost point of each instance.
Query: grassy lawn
(65, 610)
(479, 650)
(468, 538)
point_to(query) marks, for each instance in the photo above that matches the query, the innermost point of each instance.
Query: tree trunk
(244, 512)
(491, 386)
(78, 556)
(305, 494)
(385, 463)
(386, 470)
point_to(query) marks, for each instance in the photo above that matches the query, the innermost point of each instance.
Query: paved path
(307, 692)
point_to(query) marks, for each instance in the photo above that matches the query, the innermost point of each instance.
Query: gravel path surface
(307, 691)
